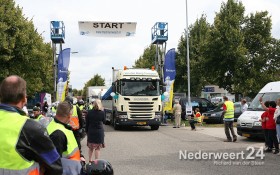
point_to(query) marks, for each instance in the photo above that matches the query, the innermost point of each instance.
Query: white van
(248, 124)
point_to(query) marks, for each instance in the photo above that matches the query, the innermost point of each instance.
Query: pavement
(219, 133)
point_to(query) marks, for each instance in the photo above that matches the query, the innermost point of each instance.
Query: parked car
(202, 103)
(216, 115)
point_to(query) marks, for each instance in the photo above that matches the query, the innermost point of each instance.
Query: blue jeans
(278, 131)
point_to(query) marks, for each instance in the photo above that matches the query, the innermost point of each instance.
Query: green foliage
(147, 60)
(22, 50)
(225, 51)
(198, 36)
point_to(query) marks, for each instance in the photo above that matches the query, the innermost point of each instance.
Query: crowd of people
(271, 125)
(43, 144)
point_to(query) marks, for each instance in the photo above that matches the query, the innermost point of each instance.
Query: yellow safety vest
(39, 117)
(90, 106)
(74, 120)
(72, 151)
(81, 107)
(230, 110)
(71, 157)
(53, 110)
(11, 161)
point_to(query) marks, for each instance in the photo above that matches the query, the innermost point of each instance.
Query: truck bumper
(255, 131)
(128, 122)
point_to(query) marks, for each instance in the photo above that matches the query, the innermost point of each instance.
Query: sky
(99, 55)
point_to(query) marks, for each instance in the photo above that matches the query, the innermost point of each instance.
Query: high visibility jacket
(74, 120)
(81, 107)
(90, 106)
(39, 117)
(229, 114)
(11, 162)
(71, 157)
(53, 110)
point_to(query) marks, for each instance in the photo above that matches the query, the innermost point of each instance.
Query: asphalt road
(140, 151)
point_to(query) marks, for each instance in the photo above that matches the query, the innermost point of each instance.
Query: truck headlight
(157, 116)
(257, 124)
(122, 116)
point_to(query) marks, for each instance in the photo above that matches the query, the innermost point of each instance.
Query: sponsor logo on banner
(169, 78)
(107, 29)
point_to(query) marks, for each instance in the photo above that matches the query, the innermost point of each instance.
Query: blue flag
(169, 72)
(62, 73)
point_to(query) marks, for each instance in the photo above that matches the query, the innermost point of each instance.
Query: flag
(62, 73)
(169, 72)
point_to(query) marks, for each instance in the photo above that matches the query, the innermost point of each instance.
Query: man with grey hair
(177, 110)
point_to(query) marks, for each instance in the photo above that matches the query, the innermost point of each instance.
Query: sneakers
(268, 150)
(235, 139)
(227, 140)
(276, 152)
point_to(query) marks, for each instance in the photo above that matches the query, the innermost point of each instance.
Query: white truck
(95, 92)
(248, 124)
(134, 98)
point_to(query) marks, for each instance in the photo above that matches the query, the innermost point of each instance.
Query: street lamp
(188, 57)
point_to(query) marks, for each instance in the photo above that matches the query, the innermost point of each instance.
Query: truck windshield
(139, 88)
(256, 106)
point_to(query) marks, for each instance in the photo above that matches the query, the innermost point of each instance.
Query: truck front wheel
(116, 127)
(154, 127)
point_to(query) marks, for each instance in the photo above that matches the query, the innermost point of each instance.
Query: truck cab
(248, 124)
(136, 99)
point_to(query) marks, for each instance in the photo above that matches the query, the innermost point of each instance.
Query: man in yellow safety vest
(228, 112)
(26, 147)
(64, 140)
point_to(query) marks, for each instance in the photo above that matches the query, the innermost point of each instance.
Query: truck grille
(247, 125)
(141, 110)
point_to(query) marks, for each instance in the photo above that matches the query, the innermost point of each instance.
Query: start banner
(107, 29)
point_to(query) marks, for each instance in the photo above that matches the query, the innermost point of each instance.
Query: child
(196, 119)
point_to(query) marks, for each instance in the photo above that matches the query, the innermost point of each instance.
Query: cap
(36, 108)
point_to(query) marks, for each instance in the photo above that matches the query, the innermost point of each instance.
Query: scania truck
(134, 98)
(248, 124)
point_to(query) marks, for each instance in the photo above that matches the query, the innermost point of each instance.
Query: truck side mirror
(113, 87)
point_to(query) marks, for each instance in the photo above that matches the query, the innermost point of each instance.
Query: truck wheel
(116, 127)
(154, 127)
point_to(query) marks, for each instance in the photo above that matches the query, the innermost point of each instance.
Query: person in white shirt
(244, 105)
(276, 115)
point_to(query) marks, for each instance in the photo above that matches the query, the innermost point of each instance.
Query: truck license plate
(205, 117)
(246, 135)
(141, 123)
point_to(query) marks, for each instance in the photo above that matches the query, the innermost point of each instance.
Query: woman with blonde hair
(94, 129)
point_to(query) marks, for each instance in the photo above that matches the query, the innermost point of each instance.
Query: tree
(146, 60)
(22, 50)
(261, 62)
(198, 35)
(225, 50)
(97, 80)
